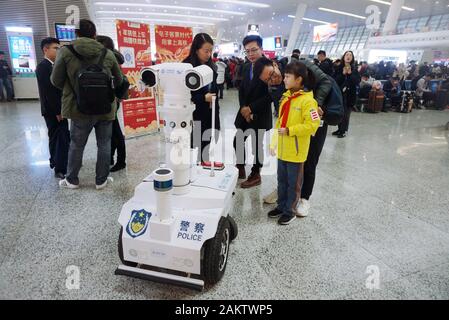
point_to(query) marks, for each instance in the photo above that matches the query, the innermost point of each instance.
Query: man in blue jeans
(87, 51)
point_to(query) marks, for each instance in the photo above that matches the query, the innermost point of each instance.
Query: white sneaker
(65, 184)
(272, 197)
(302, 209)
(102, 186)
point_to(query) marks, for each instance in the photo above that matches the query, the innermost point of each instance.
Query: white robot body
(179, 214)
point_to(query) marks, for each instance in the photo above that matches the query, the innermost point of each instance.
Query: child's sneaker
(102, 186)
(272, 198)
(286, 219)
(275, 213)
(302, 209)
(67, 185)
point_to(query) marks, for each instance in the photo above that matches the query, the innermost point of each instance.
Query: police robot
(176, 228)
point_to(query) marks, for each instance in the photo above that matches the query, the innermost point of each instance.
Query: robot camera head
(199, 77)
(176, 74)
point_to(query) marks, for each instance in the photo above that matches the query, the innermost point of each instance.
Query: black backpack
(333, 105)
(95, 86)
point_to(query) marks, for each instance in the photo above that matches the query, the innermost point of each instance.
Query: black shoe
(275, 213)
(59, 175)
(342, 135)
(336, 133)
(286, 219)
(118, 167)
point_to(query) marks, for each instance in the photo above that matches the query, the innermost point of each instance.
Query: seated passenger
(392, 91)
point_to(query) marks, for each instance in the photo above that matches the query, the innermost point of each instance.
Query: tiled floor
(381, 202)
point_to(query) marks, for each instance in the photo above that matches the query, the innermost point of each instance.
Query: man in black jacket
(5, 81)
(255, 116)
(325, 63)
(50, 96)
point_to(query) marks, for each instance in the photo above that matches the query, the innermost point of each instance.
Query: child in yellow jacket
(298, 121)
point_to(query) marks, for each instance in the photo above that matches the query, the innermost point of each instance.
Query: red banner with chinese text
(172, 43)
(139, 111)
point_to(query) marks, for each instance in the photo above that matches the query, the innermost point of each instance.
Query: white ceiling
(232, 16)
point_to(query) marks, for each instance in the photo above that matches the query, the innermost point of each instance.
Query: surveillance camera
(198, 77)
(149, 77)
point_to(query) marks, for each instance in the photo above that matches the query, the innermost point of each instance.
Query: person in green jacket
(64, 77)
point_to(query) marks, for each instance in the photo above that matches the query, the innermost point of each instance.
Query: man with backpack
(87, 73)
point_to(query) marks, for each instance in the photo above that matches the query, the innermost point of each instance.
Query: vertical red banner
(172, 43)
(139, 111)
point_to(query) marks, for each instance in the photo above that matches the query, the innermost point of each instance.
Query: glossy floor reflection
(380, 207)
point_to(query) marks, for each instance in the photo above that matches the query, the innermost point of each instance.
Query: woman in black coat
(348, 79)
(201, 53)
(117, 138)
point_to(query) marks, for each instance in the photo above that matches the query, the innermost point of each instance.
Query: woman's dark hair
(198, 41)
(299, 69)
(106, 42)
(259, 65)
(343, 58)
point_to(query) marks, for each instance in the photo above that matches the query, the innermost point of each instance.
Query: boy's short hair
(296, 51)
(48, 41)
(321, 52)
(252, 38)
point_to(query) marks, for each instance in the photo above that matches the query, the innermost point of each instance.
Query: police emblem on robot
(138, 223)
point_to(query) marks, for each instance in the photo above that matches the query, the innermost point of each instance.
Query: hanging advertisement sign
(139, 111)
(172, 43)
(327, 32)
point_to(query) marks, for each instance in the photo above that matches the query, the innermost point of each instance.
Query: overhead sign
(326, 32)
(64, 32)
(278, 42)
(230, 48)
(253, 29)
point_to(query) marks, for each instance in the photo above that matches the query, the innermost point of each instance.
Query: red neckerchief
(286, 108)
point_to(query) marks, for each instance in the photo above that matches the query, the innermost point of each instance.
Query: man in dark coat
(50, 97)
(254, 114)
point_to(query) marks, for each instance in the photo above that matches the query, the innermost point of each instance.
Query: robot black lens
(192, 81)
(149, 78)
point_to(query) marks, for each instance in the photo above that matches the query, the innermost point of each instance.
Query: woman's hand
(273, 151)
(208, 97)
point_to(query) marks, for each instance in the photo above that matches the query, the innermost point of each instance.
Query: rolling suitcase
(375, 101)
